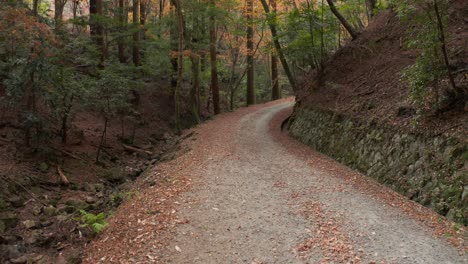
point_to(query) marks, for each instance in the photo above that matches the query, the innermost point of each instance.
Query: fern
(96, 222)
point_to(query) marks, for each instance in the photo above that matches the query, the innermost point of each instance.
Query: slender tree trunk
(322, 42)
(65, 116)
(250, 55)
(354, 34)
(101, 39)
(96, 29)
(275, 90)
(121, 40)
(180, 62)
(58, 14)
(194, 99)
(173, 32)
(213, 61)
(143, 15)
(136, 35)
(314, 60)
(93, 12)
(162, 4)
(75, 6)
(35, 7)
(278, 48)
(203, 59)
(103, 139)
(370, 6)
(443, 46)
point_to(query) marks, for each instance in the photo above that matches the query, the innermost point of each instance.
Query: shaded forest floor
(244, 192)
(40, 220)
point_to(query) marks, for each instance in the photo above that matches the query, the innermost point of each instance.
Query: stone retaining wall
(432, 170)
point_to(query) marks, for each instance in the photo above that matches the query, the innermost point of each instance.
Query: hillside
(363, 79)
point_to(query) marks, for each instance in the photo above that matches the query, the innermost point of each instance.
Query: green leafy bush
(96, 222)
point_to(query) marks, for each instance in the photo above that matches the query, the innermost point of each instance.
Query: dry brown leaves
(441, 226)
(142, 227)
(335, 245)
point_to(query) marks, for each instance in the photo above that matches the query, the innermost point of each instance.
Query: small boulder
(49, 210)
(465, 194)
(31, 224)
(20, 260)
(90, 199)
(32, 238)
(115, 175)
(34, 258)
(36, 210)
(43, 167)
(406, 111)
(97, 187)
(10, 220)
(46, 223)
(2, 227)
(10, 251)
(62, 218)
(76, 203)
(16, 201)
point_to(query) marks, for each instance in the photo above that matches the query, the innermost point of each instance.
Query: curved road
(265, 199)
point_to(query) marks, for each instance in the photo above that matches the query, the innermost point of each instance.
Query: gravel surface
(257, 196)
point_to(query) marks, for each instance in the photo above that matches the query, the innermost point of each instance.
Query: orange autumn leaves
(22, 33)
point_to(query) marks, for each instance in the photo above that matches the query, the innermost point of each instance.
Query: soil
(29, 177)
(363, 79)
(244, 192)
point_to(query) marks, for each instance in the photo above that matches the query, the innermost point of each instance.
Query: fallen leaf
(178, 249)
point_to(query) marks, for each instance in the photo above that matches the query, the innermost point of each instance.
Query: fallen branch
(63, 179)
(133, 149)
(71, 155)
(5, 140)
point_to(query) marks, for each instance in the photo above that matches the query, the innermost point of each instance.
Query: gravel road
(263, 204)
(250, 194)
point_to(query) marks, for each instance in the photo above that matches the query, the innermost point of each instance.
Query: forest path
(258, 196)
(263, 204)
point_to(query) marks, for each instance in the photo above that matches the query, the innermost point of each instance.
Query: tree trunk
(136, 34)
(173, 40)
(143, 14)
(180, 62)
(250, 55)
(101, 40)
(278, 48)
(370, 5)
(194, 103)
(35, 7)
(96, 29)
(213, 61)
(103, 140)
(314, 62)
(58, 14)
(354, 34)
(275, 91)
(322, 42)
(162, 4)
(121, 40)
(443, 46)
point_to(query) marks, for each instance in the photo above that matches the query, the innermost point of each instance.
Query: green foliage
(96, 222)
(419, 77)
(424, 76)
(110, 92)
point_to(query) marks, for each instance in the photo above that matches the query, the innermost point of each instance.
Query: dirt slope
(252, 195)
(363, 79)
